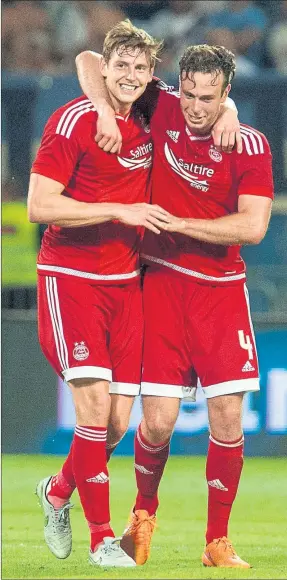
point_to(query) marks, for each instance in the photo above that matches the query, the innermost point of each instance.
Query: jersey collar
(122, 117)
(196, 137)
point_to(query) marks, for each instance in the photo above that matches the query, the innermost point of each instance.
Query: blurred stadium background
(40, 40)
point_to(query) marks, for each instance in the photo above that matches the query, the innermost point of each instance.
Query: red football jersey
(191, 179)
(108, 252)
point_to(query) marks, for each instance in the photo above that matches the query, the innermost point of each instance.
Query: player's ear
(103, 66)
(225, 93)
(151, 71)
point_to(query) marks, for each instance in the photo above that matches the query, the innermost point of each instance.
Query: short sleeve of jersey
(254, 165)
(57, 155)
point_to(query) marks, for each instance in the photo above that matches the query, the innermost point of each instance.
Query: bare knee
(155, 430)
(116, 429)
(160, 414)
(225, 416)
(121, 406)
(92, 401)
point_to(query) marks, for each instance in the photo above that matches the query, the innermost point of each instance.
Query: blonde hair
(125, 37)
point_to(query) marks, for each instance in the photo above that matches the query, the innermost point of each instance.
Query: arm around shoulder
(92, 81)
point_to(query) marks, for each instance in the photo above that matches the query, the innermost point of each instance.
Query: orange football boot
(221, 554)
(137, 537)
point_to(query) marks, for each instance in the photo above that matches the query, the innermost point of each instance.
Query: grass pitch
(258, 524)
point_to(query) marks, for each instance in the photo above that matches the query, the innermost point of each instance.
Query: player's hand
(226, 132)
(108, 135)
(152, 217)
(174, 224)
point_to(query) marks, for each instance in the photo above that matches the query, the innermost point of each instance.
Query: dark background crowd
(45, 36)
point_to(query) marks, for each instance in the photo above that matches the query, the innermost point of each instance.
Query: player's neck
(123, 110)
(120, 108)
(193, 134)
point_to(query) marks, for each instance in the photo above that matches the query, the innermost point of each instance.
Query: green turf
(257, 528)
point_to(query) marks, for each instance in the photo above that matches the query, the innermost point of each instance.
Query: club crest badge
(81, 351)
(215, 155)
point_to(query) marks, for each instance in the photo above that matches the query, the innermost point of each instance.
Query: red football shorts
(194, 330)
(88, 331)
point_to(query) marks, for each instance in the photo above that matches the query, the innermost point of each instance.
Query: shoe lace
(137, 522)
(227, 545)
(113, 546)
(62, 514)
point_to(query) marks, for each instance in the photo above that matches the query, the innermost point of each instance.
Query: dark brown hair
(125, 37)
(205, 58)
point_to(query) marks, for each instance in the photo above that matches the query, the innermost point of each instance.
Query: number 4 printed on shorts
(245, 343)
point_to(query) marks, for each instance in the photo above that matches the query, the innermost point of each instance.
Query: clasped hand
(152, 217)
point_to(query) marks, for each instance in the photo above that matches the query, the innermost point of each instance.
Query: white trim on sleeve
(163, 390)
(252, 140)
(229, 387)
(71, 115)
(124, 389)
(87, 373)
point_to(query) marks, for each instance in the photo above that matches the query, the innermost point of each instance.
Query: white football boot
(109, 554)
(57, 527)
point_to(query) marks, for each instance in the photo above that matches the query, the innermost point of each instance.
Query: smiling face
(200, 98)
(127, 74)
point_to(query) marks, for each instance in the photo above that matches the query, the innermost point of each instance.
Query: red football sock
(150, 462)
(63, 484)
(223, 469)
(92, 479)
(67, 469)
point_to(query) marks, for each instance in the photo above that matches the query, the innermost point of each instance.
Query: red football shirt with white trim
(68, 153)
(191, 179)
